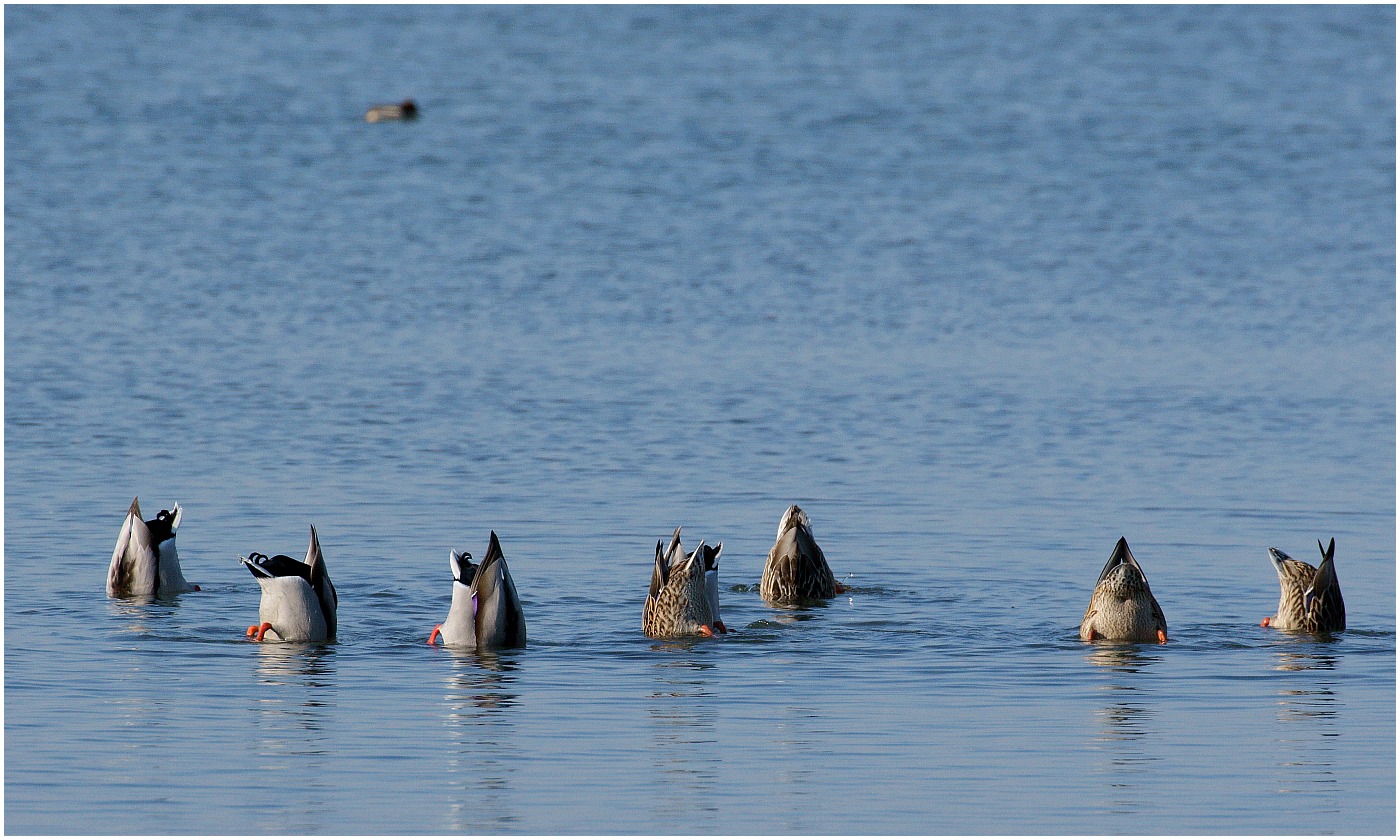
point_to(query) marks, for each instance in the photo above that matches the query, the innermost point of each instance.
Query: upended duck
(145, 561)
(682, 601)
(485, 611)
(405, 110)
(1122, 608)
(1310, 599)
(298, 599)
(797, 573)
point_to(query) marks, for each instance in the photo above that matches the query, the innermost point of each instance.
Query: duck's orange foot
(706, 631)
(1265, 622)
(261, 630)
(1161, 637)
(842, 588)
(252, 631)
(432, 637)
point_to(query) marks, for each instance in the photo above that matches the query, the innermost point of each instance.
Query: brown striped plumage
(1122, 608)
(1310, 599)
(796, 572)
(677, 602)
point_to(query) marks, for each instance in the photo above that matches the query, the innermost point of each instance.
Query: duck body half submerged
(1122, 608)
(405, 110)
(796, 573)
(1310, 599)
(682, 601)
(145, 561)
(298, 599)
(485, 612)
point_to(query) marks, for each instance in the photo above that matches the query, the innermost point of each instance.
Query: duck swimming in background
(485, 611)
(796, 573)
(678, 602)
(1122, 608)
(298, 599)
(1309, 599)
(405, 110)
(144, 561)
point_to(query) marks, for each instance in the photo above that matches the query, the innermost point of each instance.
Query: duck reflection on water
(478, 698)
(1125, 731)
(1308, 711)
(682, 713)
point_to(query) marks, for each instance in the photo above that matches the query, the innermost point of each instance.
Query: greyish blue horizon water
(981, 288)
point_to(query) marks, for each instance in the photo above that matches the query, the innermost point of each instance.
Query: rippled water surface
(981, 288)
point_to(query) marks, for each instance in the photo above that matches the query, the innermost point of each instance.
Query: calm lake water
(980, 288)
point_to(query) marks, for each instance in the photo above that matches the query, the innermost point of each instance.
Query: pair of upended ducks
(684, 596)
(299, 601)
(1123, 609)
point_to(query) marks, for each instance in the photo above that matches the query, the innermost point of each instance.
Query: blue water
(981, 288)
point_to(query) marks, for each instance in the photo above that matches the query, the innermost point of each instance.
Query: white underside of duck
(486, 611)
(141, 566)
(291, 607)
(459, 630)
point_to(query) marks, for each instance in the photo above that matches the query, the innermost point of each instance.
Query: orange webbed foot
(432, 637)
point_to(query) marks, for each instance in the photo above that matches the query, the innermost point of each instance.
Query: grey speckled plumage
(1122, 608)
(678, 603)
(796, 573)
(1310, 599)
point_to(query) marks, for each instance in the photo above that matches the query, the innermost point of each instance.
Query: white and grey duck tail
(710, 557)
(145, 561)
(486, 611)
(298, 599)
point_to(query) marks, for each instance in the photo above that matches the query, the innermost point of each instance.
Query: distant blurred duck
(485, 611)
(681, 600)
(144, 561)
(405, 110)
(1122, 608)
(796, 573)
(298, 600)
(1309, 599)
